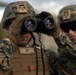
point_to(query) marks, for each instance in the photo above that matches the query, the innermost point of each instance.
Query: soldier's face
(24, 39)
(72, 35)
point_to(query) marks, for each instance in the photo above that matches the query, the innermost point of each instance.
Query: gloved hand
(15, 27)
(51, 32)
(17, 24)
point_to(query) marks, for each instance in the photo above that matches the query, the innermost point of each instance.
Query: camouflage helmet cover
(15, 8)
(67, 14)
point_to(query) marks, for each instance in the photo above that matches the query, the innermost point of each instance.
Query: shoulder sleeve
(6, 51)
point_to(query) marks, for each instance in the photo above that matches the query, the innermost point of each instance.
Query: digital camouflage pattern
(67, 56)
(6, 51)
(61, 62)
(67, 14)
(14, 9)
(16, 27)
(16, 12)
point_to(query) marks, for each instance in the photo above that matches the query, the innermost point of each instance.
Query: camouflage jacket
(6, 51)
(63, 62)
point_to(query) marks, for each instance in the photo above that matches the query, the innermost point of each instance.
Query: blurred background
(52, 6)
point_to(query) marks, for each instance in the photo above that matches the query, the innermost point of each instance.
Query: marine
(17, 57)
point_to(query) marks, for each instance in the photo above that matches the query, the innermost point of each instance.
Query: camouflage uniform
(6, 51)
(63, 63)
(24, 64)
(67, 50)
(67, 56)
(15, 60)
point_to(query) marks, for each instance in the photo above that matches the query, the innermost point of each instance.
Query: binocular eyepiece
(48, 22)
(30, 24)
(38, 24)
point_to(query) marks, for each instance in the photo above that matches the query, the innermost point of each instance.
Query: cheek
(29, 36)
(75, 31)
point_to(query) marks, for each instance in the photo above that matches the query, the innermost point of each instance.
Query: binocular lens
(30, 24)
(49, 22)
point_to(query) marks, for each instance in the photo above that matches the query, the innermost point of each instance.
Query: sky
(52, 6)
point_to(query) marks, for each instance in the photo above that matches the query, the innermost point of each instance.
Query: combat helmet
(13, 9)
(67, 15)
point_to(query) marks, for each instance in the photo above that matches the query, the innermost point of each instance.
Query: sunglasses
(67, 27)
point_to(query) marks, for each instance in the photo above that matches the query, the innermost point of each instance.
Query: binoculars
(37, 24)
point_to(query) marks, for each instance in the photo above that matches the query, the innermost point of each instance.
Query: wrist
(59, 35)
(56, 33)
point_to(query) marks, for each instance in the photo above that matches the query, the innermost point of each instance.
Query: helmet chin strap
(34, 40)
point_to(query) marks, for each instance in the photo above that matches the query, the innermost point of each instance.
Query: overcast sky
(53, 6)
